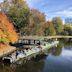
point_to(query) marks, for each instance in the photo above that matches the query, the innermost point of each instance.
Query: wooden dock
(6, 51)
(48, 37)
(29, 53)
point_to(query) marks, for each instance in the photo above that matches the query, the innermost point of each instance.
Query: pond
(58, 59)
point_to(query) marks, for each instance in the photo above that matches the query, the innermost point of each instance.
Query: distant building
(68, 21)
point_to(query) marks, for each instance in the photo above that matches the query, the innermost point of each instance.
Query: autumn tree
(7, 31)
(4, 6)
(19, 14)
(58, 24)
(36, 20)
(49, 29)
(67, 30)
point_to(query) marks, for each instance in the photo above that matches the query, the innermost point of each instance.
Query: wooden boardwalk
(6, 51)
(48, 37)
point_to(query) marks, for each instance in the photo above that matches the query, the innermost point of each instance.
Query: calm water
(59, 59)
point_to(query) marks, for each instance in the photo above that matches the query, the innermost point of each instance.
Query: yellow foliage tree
(7, 31)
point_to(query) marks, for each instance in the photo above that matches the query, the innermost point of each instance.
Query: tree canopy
(32, 21)
(7, 31)
(58, 24)
(19, 14)
(36, 19)
(49, 29)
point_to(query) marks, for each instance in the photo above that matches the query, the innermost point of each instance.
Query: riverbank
(28, 53)
(58, 59)
(6, 50)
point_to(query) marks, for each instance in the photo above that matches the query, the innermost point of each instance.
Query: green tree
(19, 14)
(68, 30)
(36, 20)
(49, 29)
(58, 24)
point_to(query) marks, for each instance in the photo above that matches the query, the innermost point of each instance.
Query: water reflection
(30, 66)
(59, 59)
(34, 65)
(6, 68)
(57, 51)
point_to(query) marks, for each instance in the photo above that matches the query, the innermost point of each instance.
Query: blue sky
(52, 8)
(1, 0)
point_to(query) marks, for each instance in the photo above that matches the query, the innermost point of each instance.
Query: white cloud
(66, 13)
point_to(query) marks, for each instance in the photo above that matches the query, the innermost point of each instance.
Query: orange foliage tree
(7, 31)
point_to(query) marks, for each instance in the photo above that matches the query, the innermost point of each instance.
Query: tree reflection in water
(37, 64)
(57, 51)
(64, 43)
(6, 68)
(29, 66)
